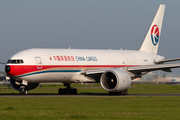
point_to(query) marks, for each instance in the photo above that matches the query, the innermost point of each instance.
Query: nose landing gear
(23, 92)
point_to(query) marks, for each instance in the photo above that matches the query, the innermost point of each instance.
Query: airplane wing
(94, 71)
(136, 69)
(167, 60)
(147, 68)
(3, 62)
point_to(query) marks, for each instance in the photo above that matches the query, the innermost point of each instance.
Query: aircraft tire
(74, 91)
(122, 93)
(114, 93)
(68, 90)
(126, 92)
(61, 91)
(23, 92)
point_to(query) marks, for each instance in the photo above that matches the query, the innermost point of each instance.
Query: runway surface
(91, 95)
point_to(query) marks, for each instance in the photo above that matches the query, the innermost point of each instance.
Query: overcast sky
(79, 24)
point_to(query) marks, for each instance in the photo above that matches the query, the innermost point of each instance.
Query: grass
(61, 108)
(154, 89)
(90, 108)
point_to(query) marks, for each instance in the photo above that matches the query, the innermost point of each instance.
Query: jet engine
(115, 80)
(17, 85)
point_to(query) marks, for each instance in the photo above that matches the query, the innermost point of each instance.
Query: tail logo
(155, 35)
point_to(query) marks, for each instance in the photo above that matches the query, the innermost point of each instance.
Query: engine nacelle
(115, 80)
(17, 86)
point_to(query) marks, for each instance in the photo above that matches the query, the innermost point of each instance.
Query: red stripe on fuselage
(17, 70)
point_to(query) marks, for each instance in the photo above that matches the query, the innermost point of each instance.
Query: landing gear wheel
(62, 91)
(74, 91)
(126, 92)
(68, 90)
(23, 92)
(122, 93)
(114, 93)
(119, 93)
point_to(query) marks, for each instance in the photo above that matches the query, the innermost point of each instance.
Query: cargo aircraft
(113, 69)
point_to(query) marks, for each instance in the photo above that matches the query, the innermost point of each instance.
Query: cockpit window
(18, 61)
(13, 61)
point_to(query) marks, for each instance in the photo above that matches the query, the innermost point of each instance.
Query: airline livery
(113, 69)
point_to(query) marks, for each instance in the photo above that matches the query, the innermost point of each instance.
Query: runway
(91, 95)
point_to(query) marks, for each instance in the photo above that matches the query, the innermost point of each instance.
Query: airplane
(113, 69)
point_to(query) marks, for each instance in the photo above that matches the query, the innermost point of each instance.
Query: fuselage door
(39, 62)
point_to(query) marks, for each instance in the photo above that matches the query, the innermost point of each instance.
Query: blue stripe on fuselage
(48, 71)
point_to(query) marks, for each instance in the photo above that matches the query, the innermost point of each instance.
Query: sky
(86, 24)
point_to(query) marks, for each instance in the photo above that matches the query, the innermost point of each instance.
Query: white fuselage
(65, 65)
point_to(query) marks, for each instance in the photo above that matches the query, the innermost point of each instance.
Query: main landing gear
(67, 90)
(119, 93)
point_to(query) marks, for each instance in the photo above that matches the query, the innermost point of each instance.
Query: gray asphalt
(90, 95)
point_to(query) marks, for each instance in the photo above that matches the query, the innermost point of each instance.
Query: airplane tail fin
(151, 41)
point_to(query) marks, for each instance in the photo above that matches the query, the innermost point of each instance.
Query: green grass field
(59, 108)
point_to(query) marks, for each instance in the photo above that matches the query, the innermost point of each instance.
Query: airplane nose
(7, 68)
